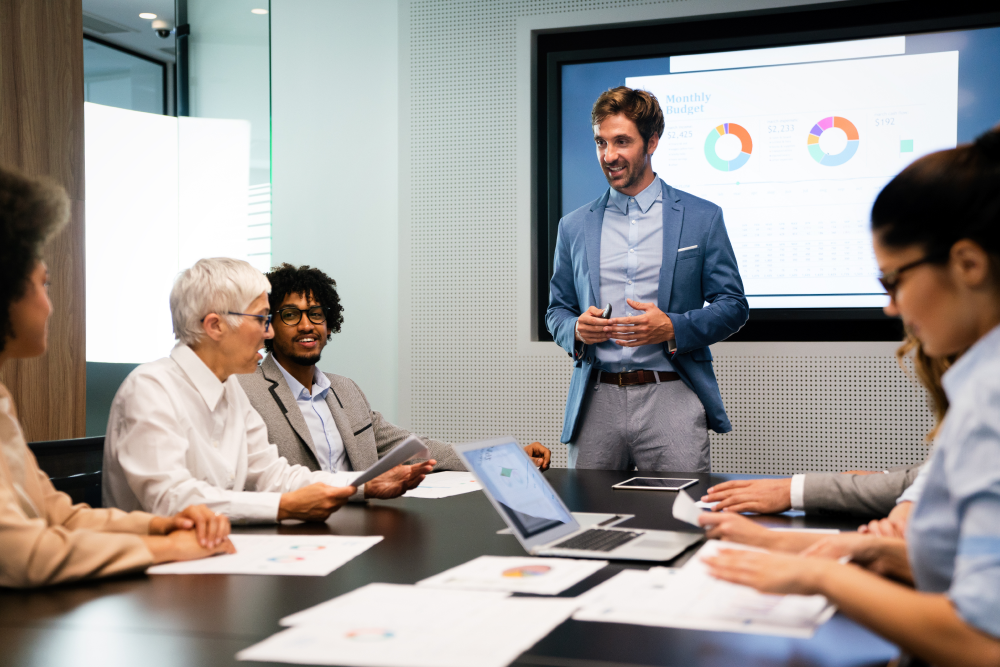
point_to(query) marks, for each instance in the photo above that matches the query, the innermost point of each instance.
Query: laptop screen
(518, 488)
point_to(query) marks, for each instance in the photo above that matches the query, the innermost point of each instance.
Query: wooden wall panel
(41, 132)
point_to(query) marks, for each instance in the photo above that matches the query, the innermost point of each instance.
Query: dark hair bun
(988, 144)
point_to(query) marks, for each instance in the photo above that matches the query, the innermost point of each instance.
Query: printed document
(689, 597)
(388, 625)
(541, 576)
(297, 555)
(444, 484)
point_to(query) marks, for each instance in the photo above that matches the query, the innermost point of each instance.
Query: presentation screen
(794, 143)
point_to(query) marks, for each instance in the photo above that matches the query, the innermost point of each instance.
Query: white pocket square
(690, 247)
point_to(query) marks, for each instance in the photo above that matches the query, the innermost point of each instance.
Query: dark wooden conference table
(194, 620)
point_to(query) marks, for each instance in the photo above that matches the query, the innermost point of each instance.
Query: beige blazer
(367, 435)
(44, 538)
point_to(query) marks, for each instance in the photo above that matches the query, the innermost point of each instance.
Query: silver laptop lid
(522, 497)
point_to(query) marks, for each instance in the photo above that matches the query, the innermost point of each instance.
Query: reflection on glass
(118, 79)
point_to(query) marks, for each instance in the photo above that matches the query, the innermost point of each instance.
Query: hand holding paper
(411, 448)
(686, 510)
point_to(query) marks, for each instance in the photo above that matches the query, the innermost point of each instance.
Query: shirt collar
(964, 370)
(644, 199)
(321, 383)
(201, 376)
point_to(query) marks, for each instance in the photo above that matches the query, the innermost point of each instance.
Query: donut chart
(526, 571)
(843, 156)
(745, 149)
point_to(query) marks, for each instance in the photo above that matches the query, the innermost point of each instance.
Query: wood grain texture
(41, 133)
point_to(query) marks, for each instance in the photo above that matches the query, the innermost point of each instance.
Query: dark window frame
(736, 31)
(162, 63)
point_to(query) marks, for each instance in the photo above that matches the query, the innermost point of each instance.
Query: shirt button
(215, 443)
(633, 222)
(630, 282)
(631, 249)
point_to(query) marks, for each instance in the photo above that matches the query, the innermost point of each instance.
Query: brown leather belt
(633, 378)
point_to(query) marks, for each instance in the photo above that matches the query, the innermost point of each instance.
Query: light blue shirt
(631, 256)
(953, 537)
(329, 446)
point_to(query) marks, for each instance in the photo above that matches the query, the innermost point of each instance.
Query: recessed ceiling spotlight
(147, 15)
(258, 11)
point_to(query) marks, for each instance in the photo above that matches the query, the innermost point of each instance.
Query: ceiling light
(147, 15)
(258, 11)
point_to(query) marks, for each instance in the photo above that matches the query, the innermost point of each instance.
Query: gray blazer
(872, 495)
(366, 434)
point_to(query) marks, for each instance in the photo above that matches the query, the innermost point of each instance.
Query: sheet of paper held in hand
(444, 485)
(689, 597)
(541, 576)
(411, 448)
(686, 510)
(301, 555)
(393, 625)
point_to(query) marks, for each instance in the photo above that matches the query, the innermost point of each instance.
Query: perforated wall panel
(462, 375)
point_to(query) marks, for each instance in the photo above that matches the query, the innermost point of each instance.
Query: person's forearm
(923, 624)
(791, 541)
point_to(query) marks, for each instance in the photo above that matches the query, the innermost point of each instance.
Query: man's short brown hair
(639, 106)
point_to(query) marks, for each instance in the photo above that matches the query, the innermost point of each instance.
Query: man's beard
(632, 176)
(302, 360)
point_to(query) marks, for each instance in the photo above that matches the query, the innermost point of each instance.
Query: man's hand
(399, 480)
(315, 502)
(539, 454)
(652, 327)
(735, 528)
(764, 496)
(183, 545)
(210, 528)
(591, 328)
(893, 525)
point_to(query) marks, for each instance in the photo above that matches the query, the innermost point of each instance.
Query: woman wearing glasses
(936, 232)
(45, 538)
(181, 429)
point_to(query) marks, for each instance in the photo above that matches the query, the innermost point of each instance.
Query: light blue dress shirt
(329, 445)
(631, 256)
(953, 537)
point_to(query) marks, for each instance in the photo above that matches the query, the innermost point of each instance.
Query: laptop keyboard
(597, 539)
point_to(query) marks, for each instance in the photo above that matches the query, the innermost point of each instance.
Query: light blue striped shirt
(329, 446)
(631, 255)
(953, 537)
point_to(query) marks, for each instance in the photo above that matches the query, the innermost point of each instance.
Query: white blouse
(178, 437)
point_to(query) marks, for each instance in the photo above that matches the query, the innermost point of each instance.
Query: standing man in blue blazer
(643, 393)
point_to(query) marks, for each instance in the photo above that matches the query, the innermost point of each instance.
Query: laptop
(540, 520)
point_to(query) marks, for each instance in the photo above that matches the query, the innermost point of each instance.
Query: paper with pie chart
(541, 576)
(795, 156)
(295, 555)
(396, 625)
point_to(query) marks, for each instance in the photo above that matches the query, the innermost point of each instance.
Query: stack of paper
(689, 597)
(541, 576)
(303, 555)
(444, 484)
(391, 625)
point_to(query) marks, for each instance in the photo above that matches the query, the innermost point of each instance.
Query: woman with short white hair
(181, 429)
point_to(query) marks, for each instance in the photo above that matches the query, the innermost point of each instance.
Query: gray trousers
(656, 427)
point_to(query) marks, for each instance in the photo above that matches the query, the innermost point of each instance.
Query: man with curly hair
(321, 420)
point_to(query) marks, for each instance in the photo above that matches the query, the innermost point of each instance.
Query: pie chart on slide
(746, 147)
(526, 571)
(835, 160)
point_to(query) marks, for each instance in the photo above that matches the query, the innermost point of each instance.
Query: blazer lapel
(593, 225)
(283, 395)
(673, 219)
(359, 458)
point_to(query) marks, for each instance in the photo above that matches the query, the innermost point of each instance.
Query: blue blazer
(688, 279)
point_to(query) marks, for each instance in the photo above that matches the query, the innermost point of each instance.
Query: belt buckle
(620, 376)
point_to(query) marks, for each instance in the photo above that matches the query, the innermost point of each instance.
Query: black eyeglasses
(292, 315)
(265, 318)
(890, 279)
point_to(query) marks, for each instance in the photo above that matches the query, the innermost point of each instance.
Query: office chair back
(74, 466)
